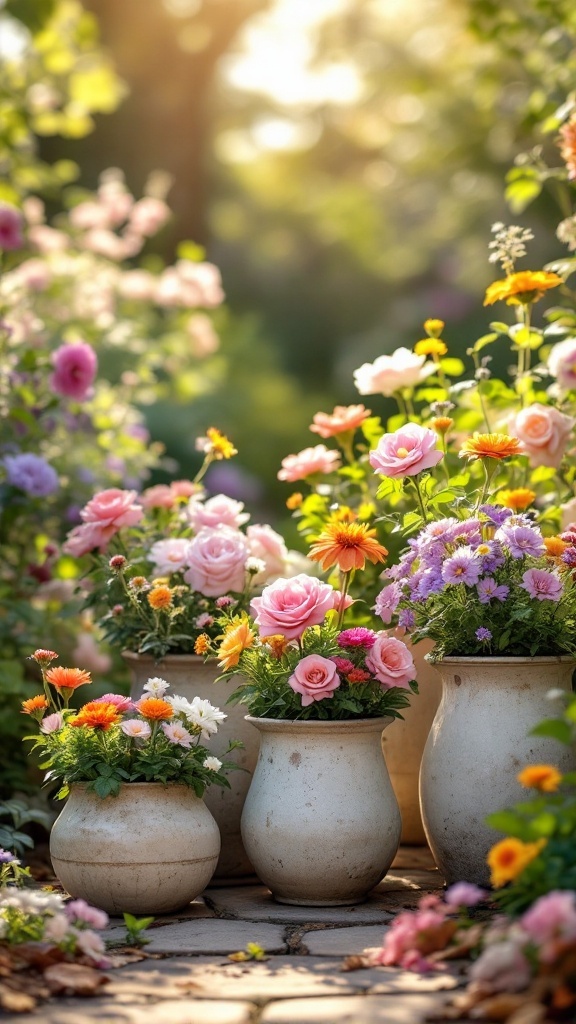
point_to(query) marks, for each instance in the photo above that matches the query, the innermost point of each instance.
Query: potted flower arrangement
(321, 822)
(134, 773)
(160, 567)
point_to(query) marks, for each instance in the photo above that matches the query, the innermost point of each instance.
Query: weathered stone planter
(321, 823)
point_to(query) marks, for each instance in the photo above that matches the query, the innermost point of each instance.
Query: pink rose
(387, 374)
(264, 543)
(148, 215)
(344, 417)
(159, 496)
(74, 370)
(11, 221)
(543, 432)
(390, 662)
(315, 678)
(83, 539)
(216, 560)
(288, 606)
(319, 459)
(169, 556)
(562, 363)
(104, 515)
(406, 452)
(217, 511)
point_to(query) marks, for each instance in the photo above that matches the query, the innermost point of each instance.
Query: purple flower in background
(483, 634)
(496, 513)
(569, 557)
(542, 585)
(7, 858)
(462, 567)
(406, 618)
(464, 894)
(387, 601)
(75, 368)
(492, 555)
(32, 474)
(358, 636)
(488, 590)
(521, 540)
(10, 227)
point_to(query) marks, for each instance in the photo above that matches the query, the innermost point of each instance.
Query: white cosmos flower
(212, 764)
(30, 902)
(156, 687)
(180, 705)
(203, 714)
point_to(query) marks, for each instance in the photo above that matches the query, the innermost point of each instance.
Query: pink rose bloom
(542, 585)
(562, 363)
(10, 227)
(550, 918)
(387, 374)
(216, 560)
(267, 545)
(75, 368)
(543, 432)
(52, 723)
(159, 496)
(148, 215)
(83, 539)
(315, 678)
(201, 284)
(135, 728)
(169, 556)
(344, 417)
(288, 606)
(407, 451)
(104, 515)
(184, 488)
(390, 662)
(217, 511)
(502, 966)
(319, 459)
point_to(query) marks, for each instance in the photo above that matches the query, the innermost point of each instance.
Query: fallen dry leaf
(355, 963)
(74, 979)
(16, 1002)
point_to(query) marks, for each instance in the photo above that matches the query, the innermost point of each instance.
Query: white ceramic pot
(404, 744)
(150, 850)
(478, 743)
(321, 823)
(190, 676)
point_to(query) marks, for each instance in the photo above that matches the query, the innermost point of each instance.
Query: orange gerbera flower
(160, 597)
(544, 777)
(97, 715)
(508, 858)
(517, 499)
(490, 446)
(555, 546)
(522, 288)
(202, 644)
(155, 709)
(68, 678)
(34, 704)
(237, 638)
(347, 545)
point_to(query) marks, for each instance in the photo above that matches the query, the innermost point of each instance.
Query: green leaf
(555, 728)
(452, 367)
(34, 14)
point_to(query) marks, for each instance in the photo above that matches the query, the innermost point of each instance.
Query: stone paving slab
(104, 1011)
(343, 941)
(257, 904)
(215, 936)
(411, 1009)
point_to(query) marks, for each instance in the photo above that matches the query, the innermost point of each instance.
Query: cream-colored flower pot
(150, 850)
(321, 823)
(478, 743)
(189, 676)
(404, 744)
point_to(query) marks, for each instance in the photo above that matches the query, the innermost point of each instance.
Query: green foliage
(135, 926)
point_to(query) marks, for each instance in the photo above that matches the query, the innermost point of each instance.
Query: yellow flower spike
(508, 858)
(430, 347)
(544, 777)
(434, 328)
(202, 644)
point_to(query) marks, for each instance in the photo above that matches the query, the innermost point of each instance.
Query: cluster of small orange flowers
(97, 715)
(154, 708)
(517, 499)
(544, 777)
(555, 546)
(294, 501)
(160, 597)
(202, 644)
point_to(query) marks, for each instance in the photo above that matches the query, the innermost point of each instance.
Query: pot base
(321, 903)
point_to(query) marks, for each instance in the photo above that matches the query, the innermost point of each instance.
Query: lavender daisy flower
(468, 531)
(542, 585)
(496, 513)
(32, 474)
(462, 567)
(430, 583)
(492, 555)
(569, 557)
(483, 634)
(406, 618)
(489, 590)
(521, 540)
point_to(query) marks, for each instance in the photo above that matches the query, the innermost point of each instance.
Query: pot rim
(132, 785)
(545, 659)
(340, 725)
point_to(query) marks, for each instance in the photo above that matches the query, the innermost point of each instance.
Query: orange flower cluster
(97, 715)
(160, 597)
(517, 499)
(155, 709)
(347, 545)
(237, 638)
(490, 446)
(543, 777)
(508, 858)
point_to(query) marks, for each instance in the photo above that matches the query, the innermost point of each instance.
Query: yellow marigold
(517, 499)
(34, 704)
(277, 645)
(430, 347)
(522, 288)
(544, 777)
(490, 446)
(555, 546)
(434, 327)
(237, 638)
(508, 858)
(160, 597)
(155, 708)
(294, 501)
(347, 545)
(220, 447)
(442, 424)
(202, 644)
(97, 715)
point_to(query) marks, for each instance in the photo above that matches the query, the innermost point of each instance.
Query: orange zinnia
(97, 715)
(508, 858)
(544, 777)
(160, 597)
(67, 678)
(522, 288)
(490, 446)
(236, 639)
(347, 545)
(34, 704)
(518, 499)
(155, 709)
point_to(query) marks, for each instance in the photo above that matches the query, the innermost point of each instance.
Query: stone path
(188, 979)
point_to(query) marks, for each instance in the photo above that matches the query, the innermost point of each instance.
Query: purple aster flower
(32, 474)
(492, 555)
(489, 590)
(521, 540)
(542, 585)
(483, 634)
(358, 636)
(7, 858)
(464, 894)
(431, 582)
(569, 557)
(406, 618)
(468, 531)
(569, 535)
(387, 602)
(462, 567)
(496, 513)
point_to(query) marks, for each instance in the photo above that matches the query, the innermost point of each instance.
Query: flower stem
(345, 583)
(423, 511)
